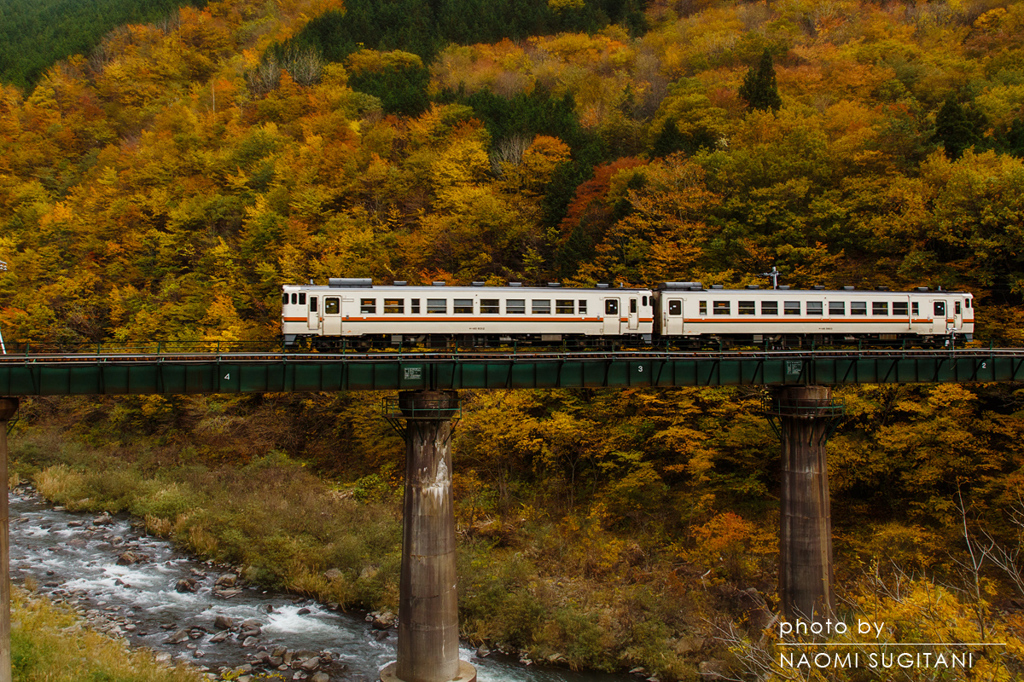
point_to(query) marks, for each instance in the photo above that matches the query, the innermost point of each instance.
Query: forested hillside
(165, 184)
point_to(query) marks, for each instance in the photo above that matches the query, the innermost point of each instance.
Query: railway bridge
(800, 405)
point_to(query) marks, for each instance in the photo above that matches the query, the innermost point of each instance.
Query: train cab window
(721, 307)
(463, 306)
(791, 307)
(563, 307)
(284, 299)
(858, 308)
(312, 304)
(703, 307)
(515, 306)
(541, 306)
(394, 306)
(611, 306)
(968, 304)
(643, 301)
(815, 308)
(675, 307)
(879, 307)
(837, 307)
(331, 306)
(899, 308)
(295, 299)
(581, 306)
(368, 306)
(414, 305)
(632, 306)
(302, 298)
(437, 306)
(956, 307)
(489, 306)
(914, 309)
(769, 307)
(940, 308)
(747, 307)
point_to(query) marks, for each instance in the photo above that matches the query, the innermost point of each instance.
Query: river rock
(219, 637)
(103, 519)
(310, 664)
(383, 620)
(249, 642)
(128, 558)
(226, 593)
(320, 677)
(187, 585)
(226, 580)
(178, 637)
(222, 622)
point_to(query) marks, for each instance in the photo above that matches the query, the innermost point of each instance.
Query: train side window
(312, 304)
(791, 307)
(302, 298)
(611, 306)
(721, 307)
(295, 299)
(643, 301)
(632, 306)
(879, 307)
(564, 307)
(284, 299)
(414, 305)
(331, 306)
(914, 309)
(582, 306)
(837, 307)
(541, 306)
(394, 305)
(489, 306)
(463, 306)
(675, 307)
(769, 307)
(747, 307)
(956, 307)
(703, 307)
(515, 306)
(368, 306)
(940, 308)
(815, 308)
(437, 306)
(899, 308)
(858, 308)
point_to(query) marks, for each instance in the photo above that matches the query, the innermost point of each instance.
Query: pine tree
(957, 127)
(759, 89)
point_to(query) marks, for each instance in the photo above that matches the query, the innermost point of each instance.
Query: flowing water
(74, 560)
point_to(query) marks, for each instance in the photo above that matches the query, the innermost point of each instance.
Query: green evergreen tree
(759, 89)
(958, 127)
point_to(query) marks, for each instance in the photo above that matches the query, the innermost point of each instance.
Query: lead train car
(686, 310)
(356, 309)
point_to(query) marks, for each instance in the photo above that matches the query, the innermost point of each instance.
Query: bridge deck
(183, 373)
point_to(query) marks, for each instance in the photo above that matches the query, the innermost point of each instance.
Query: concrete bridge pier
(805, 416)
(8, 408)
(428, 617)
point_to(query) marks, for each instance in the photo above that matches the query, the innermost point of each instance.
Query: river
(70, 558)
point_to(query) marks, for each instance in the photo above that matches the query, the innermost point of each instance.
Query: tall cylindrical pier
(805, 414)
(428, 617)
(8, 408)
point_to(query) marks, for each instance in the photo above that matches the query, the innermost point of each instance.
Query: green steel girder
(77, 375)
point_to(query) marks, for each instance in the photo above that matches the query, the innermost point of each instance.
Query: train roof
(880, 291)
(336, 284)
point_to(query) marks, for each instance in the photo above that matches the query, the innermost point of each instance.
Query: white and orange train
(676, 313)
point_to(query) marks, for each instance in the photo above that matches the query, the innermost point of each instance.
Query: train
(355, 312)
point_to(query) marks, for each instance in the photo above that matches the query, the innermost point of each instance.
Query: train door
(611, 315)
(958, 313)
(313, 314)
(634, 313)
(332, 316)
(940, 315)
(672, 316)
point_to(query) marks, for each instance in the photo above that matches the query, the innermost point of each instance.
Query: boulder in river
(186, 585)
(222, 622)
(226, 580)
(178, 637)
